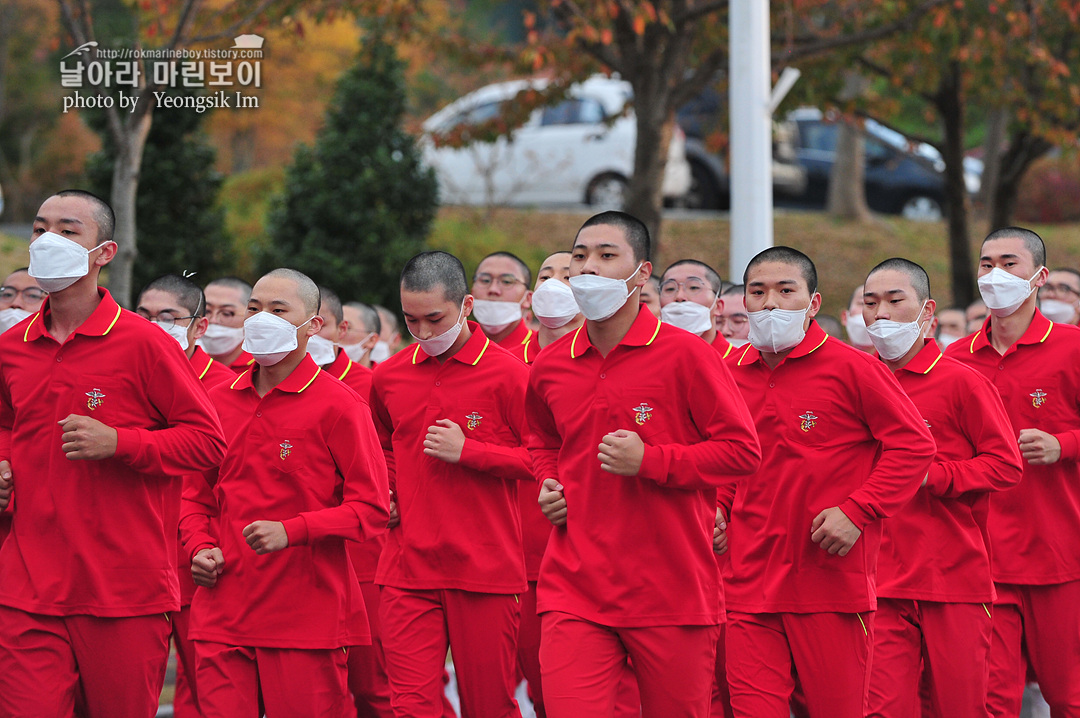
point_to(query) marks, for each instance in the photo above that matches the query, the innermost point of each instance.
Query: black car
(897, 182)
(710, 186)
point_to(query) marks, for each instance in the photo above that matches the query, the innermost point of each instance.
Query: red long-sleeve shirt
(836, 430)
(365, 554)
(98, 537)
(460, 526)
(306, 455)
(210, 373)
(535, 528)
(937, 547)
(637, 550)
(1035, 526)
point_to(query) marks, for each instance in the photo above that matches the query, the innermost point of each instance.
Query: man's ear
(1042, 277)
(201, 324)
(718, 309)
(106, 254)
(643, 274)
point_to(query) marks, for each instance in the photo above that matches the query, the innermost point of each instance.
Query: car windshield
(473, 116)
(819, 136)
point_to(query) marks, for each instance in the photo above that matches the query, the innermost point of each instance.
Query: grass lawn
(13, 254)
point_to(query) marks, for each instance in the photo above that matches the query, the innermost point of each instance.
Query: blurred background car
(579, 150)
(901, 176)
(710, 186)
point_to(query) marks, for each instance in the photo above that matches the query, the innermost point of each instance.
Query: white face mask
(1003, 293)
(893, 339)
(777, 330)
(219, 340)
(57, 262)
(321, 350)
(737, 342)
(1056, 311)
(270, 338)
(856, 329)
(553, 304)
(177, 332)
(600, 297)
(10, 317)
(691, 316)
(493, 317)
(356, 351)
(381, 352)
(437, 346)
(946, 339)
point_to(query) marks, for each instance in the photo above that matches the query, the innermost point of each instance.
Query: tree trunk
(125, 189)
(996, 127)
(950, 105)
(1024, 148)
(645, 199)
(847, 178)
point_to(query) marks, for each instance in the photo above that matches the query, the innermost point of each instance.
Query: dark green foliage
(359, 203)
(181, 227)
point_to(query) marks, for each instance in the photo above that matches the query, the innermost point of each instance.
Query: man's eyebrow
(65, 220)
(602, 245)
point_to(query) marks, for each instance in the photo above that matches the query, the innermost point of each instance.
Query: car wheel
(703, 194)
(922, 209)
(608, 191)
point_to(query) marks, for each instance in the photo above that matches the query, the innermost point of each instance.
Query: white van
(580, 150)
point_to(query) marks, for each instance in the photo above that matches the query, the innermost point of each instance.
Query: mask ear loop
(923, 328)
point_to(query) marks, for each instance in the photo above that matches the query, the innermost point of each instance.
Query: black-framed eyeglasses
(1058, 288)
(30, 294)
(506, 281)
(165, 319)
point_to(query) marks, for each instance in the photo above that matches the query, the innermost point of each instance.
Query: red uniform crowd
(706, 507)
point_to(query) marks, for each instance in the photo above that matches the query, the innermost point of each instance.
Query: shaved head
(307, 289)
(102, 212)
(429, 271)
(791, 257)
(919, 281)
(1032, 242)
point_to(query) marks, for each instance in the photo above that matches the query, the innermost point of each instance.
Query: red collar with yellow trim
(520, 335)
(98, 324)
(722, 345)
(200, 361)
(1037, 333)
(927, 358)
(299, 379)
(642, 333)
(470, 353)
(341, 366)
(814, 339)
